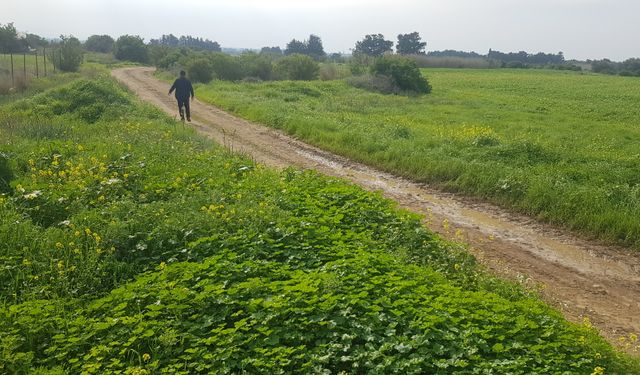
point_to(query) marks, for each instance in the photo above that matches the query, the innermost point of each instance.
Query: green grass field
(561, 146)
(129, 245)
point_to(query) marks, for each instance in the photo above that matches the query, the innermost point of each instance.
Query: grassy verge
(561, 146)
(129, 245)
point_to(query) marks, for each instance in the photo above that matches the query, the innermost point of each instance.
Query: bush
(381, 84)
(297, 67)
(70, 55)
(131, 48)
(404, 72)
(200, 70)
(226, 67)
(256, 66)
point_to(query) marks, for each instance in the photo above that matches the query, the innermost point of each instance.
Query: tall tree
(315, 48)
(9, 38)
(373, 45)
(99, 43)
(131, 48)
(410, 44)
(296, 46)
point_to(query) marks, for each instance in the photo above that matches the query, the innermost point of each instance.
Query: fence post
(24, 66)
(44, 59)
(53, 60)
(37, 68)
(13, 81)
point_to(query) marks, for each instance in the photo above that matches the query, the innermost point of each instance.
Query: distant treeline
(629, 68)
(516, 59)
(186, 41)
(13, 42)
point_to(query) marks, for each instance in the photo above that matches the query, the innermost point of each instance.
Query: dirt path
(580, 278)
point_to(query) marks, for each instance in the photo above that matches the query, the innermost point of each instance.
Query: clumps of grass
(88, 100)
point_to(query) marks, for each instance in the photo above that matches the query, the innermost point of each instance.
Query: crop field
(129, 244)
(559, 146)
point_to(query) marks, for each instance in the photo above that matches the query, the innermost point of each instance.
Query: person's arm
(191, 89)
(173, 87)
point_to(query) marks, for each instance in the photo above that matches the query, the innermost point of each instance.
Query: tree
(295, 46)
(99, 43)
(410, 44)
(71, 54)
(315, 49)
(631, 67)
(271, 51)
(9, 39)
(131, 48)
(373, 45)
(311, 47)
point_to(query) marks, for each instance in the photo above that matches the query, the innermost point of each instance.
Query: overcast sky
(580, 28)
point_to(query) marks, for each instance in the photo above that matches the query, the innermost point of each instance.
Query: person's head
(183, 73)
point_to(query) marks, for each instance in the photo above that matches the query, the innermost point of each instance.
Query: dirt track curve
(580, 278)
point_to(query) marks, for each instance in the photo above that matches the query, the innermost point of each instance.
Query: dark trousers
(184, 102)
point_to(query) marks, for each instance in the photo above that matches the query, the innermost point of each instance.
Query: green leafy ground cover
(561, 146)
(129, 245)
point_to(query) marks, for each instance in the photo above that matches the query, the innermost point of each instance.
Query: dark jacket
(183, 88)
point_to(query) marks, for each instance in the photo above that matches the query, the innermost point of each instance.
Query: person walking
(183, 89)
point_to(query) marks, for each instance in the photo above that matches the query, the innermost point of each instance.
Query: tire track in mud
(579, 277)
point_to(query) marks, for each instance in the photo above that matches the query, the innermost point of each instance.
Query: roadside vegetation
(128, 244)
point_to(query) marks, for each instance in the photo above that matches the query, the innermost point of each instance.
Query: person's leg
(180, 105)
(187, 109)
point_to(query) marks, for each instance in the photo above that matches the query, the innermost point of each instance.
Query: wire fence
(22, 67)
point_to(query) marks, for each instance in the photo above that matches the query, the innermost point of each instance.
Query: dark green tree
(131, 48)
(69, 55)
(277, 51)
(99, 43)
(631, 67)
(9, 39)
(296, 46)
(410, 44)
(315, 49)
(373, 45)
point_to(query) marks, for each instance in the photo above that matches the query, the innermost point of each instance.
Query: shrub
(200, 70)
(71, 54)
(225, 67)
(256, 65)
(297, 67)
(404, 72)
(131, 48)
(381, 84)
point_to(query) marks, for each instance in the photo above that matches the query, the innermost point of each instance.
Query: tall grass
(560, 146)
